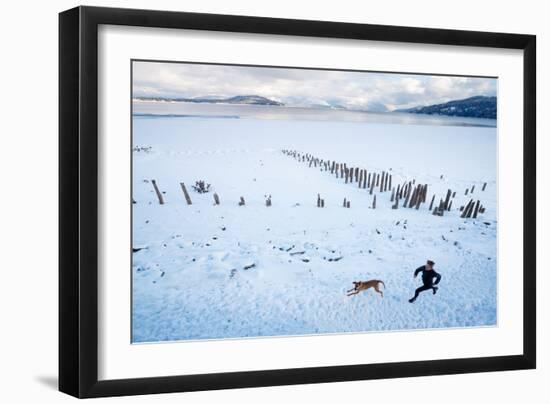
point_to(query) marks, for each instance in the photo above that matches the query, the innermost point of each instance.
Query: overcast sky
(301, 87)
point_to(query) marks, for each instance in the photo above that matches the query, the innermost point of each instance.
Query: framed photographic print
(251, 201)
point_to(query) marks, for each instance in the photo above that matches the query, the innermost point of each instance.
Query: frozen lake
(188, 109)
(189, 280)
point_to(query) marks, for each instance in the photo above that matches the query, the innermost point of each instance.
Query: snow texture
(206, 271)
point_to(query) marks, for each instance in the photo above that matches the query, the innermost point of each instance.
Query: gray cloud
(304, 87)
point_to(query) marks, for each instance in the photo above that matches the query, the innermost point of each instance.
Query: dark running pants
(422, 289)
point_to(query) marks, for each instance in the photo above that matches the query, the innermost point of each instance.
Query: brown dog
(360, 286)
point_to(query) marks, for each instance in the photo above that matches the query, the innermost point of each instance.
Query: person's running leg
(418, 290)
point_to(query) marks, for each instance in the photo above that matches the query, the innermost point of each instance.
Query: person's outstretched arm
(418, 270)
(437, 278)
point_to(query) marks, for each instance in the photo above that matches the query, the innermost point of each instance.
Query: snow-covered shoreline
(189, 280)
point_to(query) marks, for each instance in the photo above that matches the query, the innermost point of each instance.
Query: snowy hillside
(204, 271)
(475, 107)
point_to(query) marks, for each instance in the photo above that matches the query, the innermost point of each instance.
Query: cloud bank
(304, 87)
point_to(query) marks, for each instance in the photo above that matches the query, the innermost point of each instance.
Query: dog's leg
(353, 293)
(351, 290)
(378, 290)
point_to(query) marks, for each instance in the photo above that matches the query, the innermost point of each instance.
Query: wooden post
(476, 210)
(484, 185)
(406, 200)
(360, 182)
(390, 181)
(368, 180)
(322, 203)
(450, 205)
(392, 195)
(268, 201)
(466, 192)
(241, 202)
(447, 198)
(454, 194)
(414, 197)
(374, 202)
(473, 187)
(418, 199)
(318, 200)
(432, 202)
(441, 208)
(372, 185)
(377, 179)
(396, 204)
(159, 195)
(470, 210)
(347, 175)
(382, 182)
(185, 194)
(466, 209)
(348, 205)
(216, 199)
(345, 203)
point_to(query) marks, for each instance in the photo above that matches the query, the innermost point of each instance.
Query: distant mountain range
(473, 107)
(239, 99)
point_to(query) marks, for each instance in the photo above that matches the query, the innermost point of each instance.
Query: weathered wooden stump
(476, 210)
(216, 199)
(159, 194)
(447, 199)
(185, 194)
(241, 202)
(396, 204)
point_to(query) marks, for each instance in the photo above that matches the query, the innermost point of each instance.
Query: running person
(428, 275)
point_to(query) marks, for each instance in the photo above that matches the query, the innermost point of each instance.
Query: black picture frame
(78, 201)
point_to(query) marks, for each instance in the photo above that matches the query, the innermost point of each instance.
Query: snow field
(189, 276)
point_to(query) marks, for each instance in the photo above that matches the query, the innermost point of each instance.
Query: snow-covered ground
(189, 276)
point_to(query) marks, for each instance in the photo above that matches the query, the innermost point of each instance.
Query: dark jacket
(428, 276)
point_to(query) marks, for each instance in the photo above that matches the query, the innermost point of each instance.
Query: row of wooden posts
(187, 197)
(372, 181)
(412, 199)
(412, 194)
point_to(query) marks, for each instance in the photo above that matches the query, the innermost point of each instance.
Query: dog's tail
(382, 284)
